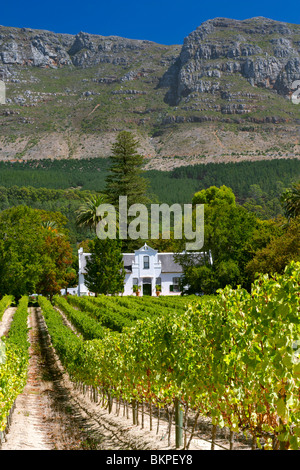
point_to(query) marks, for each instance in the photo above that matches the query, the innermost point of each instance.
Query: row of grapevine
(112, 305)
(78, 356)
(102, 313)
(86, 325)
(126, 310)
(231, 357)
(13, 367)
(146, 306)
(5, 302)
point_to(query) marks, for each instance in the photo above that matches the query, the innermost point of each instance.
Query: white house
(145, 268)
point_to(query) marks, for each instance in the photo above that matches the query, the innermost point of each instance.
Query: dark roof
(168, 264)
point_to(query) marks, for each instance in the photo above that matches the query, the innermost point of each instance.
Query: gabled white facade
(145, 268)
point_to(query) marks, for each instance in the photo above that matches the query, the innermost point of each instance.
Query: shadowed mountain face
(227, 72)
(221, 53)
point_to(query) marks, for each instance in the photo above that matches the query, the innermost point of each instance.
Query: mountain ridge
(224, 93)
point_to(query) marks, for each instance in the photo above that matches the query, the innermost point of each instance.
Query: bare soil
(185, 145)
(6, 320)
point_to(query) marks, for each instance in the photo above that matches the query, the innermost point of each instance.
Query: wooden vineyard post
(142, 414)
(178, 423)
(253, 446)
(158, 416)
(185, 425)
(170, 416)
(231, 440)
(134, 417)
(213, 436)
(150, 415)
(110, 402)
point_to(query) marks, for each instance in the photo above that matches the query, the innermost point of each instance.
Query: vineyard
(231, 359)
(13, 367)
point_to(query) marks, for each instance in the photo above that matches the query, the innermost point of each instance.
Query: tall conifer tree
(125, 176)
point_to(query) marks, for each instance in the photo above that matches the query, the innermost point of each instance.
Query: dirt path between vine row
(52, 414)
(6, 320)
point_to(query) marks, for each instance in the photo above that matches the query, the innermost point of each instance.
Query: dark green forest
(61, 185)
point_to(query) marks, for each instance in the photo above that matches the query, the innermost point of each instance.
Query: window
(176, 286)
(158, 281)
(135, 281)
(146, 262)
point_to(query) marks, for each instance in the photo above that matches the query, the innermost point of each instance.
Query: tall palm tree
(87, 212)
(291, 201)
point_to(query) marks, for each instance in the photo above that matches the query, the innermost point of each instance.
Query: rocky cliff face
(218, 53)
(29, 47)
(89, 50)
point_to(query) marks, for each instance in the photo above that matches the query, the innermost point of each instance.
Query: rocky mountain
(264, 52)
(224, 94)
(29, 47)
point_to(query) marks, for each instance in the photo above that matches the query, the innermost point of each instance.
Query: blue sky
(162, 21)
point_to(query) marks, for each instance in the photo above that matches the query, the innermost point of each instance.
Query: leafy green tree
(232, 235)
(214, 196)
(291, 201)
(105, 272)
(278, 253)
(125, 174)
(34, 252)
(57, 272)
(21, 240)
